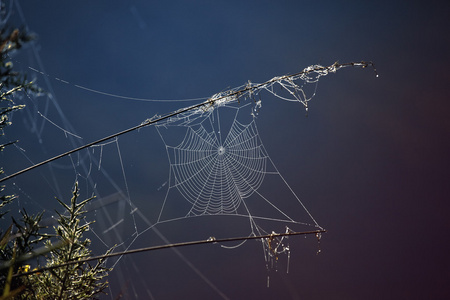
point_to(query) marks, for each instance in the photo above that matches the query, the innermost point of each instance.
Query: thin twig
(210, 240)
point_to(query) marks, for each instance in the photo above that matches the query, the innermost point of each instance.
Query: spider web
(216, 176)
(219, 166)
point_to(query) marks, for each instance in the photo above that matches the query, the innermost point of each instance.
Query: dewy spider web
(216, 167)
(214, 175)
(219, 170)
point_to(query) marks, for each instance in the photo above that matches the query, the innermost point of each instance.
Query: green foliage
(4, 200)
(19, 242)
(77, 280)
(26, 236)
(11, 81)
(66, 279)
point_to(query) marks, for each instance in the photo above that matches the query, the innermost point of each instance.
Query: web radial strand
(216, 177)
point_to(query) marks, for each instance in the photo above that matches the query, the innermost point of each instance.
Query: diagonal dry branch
(229, 96)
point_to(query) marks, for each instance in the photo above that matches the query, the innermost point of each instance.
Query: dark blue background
(370, 161)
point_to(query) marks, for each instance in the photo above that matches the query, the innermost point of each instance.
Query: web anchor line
(210, 240)
(215, 100)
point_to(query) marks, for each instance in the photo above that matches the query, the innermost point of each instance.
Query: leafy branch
(66, 274)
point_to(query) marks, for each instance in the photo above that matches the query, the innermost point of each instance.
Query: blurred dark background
(370, 161)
